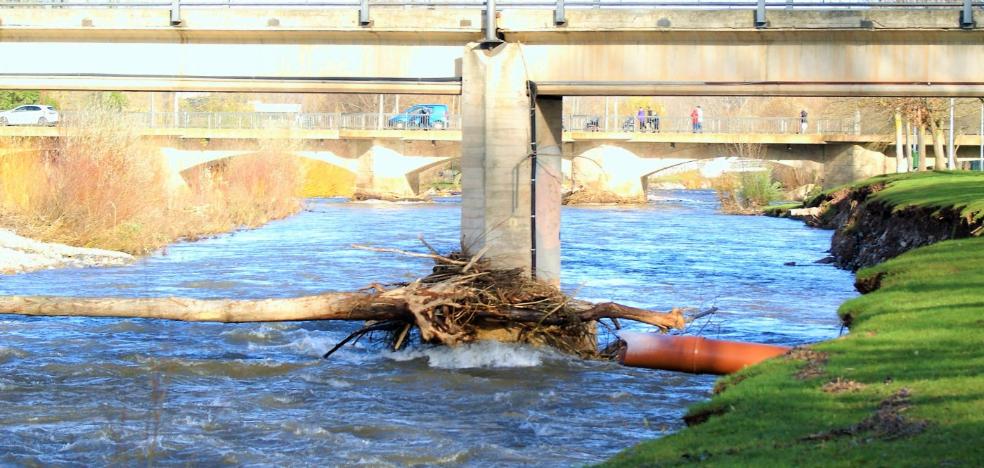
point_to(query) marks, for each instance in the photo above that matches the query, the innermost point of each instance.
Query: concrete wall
(850, 163)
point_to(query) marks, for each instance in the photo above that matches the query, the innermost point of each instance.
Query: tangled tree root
(464, 300)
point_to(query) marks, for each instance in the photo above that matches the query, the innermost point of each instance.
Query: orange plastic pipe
(692, 354)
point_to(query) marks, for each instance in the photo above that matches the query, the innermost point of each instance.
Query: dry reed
(101, 185)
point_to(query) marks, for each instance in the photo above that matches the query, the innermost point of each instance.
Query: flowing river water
(79, 391)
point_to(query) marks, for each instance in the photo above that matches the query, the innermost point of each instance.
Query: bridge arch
(414, 176)
(795, 175)
(613, 169)
(180, 162)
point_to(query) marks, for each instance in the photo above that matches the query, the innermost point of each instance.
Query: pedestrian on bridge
(803, 121)
(697, 120)
(641, 117)
(652, 120)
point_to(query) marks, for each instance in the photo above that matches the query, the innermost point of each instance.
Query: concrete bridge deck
(455, 136)
(420, 50)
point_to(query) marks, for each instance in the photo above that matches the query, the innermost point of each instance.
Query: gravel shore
(19, 255)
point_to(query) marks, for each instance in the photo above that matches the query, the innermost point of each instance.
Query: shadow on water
(96, 391)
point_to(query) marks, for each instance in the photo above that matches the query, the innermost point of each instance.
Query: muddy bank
(19, 254)
(870, 231)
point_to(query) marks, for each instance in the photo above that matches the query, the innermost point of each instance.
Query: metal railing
(514, 4)
(684, 124)
(404, 121)
(399, 121)
(575, 122)
(277, 120)
(218, 120)
(965, 7)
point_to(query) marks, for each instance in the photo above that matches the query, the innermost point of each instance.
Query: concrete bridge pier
(848, 163)
(496, 164)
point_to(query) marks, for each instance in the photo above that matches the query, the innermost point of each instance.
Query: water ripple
(77, 391)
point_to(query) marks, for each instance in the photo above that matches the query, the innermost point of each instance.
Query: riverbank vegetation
(100, 185)
(746, 192)
(903, 388)
(962, 191)
(326, 180)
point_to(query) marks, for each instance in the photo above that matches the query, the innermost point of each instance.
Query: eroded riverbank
(904, 387)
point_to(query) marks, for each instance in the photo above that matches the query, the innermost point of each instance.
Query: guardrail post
(491, 39)
(175, 12)
(760, 21)
(560, 18)
(967, 15)
(364, 13)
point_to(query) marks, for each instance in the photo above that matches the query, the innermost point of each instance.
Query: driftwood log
(332, 306)
(461, 301)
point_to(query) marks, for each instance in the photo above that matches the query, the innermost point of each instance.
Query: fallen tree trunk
(333, 306)
(461, 301)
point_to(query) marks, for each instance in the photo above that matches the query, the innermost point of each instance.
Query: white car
(31, 114)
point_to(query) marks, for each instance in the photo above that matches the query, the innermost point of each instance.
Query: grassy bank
(100, 185)
(904, 388)
(942, 189)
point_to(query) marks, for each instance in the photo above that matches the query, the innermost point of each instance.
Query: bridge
(390, 161)
(511, 66)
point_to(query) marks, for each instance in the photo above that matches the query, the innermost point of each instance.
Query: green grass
(958, 189)
(937, 189)
(922, 330)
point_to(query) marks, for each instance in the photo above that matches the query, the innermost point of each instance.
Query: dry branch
(437, 258)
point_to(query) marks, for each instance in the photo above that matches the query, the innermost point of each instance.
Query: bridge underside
(598, 52)
(420, 51)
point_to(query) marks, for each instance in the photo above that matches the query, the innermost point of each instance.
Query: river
(78, 391)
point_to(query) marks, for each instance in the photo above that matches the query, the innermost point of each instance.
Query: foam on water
(485, 354)
(7, 354)
(262, 334)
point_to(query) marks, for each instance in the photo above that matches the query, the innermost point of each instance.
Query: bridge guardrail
(278, 120)
(398, 121)
(219, 120)
(683, 124)
(402, 121)
(514, 4)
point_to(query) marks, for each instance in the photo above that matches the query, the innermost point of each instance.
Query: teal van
(426, 116)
